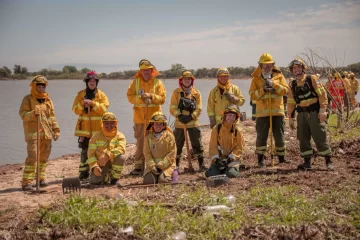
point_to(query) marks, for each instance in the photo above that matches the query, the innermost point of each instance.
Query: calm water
(62, 93)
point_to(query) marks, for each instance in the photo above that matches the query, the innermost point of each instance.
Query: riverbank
(19, 211)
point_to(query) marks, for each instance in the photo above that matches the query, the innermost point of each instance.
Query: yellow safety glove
(103, 160)
(97, 171)
(37, 110)
(231, 97)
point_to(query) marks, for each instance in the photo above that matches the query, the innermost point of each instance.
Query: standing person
(159, 151)
(106, 150)
(348, 90)
(90, 105)
(226, 145)
(336, 89)
(186, 107)
(147, 94)
(308, 96)
(221, 96)
(268, 86)
(37, 104)
(354, 83)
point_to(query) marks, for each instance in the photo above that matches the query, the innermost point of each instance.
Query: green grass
(350, 132)
(270, 206)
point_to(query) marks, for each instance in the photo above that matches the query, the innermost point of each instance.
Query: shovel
(71, 184)
(190, 168)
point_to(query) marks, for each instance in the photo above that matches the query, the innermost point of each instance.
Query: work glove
(103, 159)
(155, 170)
(322, 115)
(145, 96)
(212, 121)
(292, 123)
(231, 97)
(221, 163)
(56, 134)
(147, 101)
(37, 110)
(97, 171)
(184, 118)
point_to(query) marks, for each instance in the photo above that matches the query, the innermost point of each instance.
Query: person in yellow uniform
(309, 98)
(37, 104)
(186, 107)
(90, 105)
(348, 90)
(354, 83)
(106, 152)
(226, 145)
(221, 96)
(147, 94)
(268, 86)
(159, 151)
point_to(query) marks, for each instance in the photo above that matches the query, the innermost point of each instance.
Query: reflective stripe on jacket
(48, 123)
(99, 107)
(158, 94)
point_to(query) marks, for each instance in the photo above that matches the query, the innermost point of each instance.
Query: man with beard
(308, 96)
(268, 86)
(159, 151)
(106, 150)
(90, 105)
(186, 107)
(221, 96)
(37, 104)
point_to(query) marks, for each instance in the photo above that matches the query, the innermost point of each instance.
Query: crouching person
(106, 150)
(226, 145)
(159, 151)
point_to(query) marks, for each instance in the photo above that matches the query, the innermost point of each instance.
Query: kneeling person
(106, 150)
(159, 151)
(226, 145)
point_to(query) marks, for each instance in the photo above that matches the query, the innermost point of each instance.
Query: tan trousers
(139, 154)
(30, 162)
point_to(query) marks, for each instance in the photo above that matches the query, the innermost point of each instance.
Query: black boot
(178, 162)
(283, 160)
(328, 162)
(260, 160)
(202, 167)
(306, 165)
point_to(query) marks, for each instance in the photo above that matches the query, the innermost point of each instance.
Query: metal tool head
(71, 185)
(218, 180)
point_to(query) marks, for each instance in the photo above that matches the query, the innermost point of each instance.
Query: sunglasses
(145, 62)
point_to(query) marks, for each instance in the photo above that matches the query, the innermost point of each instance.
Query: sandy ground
(15, 205)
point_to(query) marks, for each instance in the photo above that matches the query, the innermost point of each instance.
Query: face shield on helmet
(222, 72)
(109, 122)
(40, 79)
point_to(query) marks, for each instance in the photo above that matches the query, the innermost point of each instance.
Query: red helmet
(91, 75)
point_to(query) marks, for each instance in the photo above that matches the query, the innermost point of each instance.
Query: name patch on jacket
(141, 91)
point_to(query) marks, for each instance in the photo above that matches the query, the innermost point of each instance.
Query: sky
(113, 36)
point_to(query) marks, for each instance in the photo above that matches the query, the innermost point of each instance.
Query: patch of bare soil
(16, 206)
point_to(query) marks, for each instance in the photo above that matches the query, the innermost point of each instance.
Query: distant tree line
(71, 72)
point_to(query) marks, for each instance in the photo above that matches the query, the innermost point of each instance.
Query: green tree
(17, 69)
(176, 69)
(3, 72)
(85, 70)
(24, 70)
(7, 70)
(69, 69)
(355, 67)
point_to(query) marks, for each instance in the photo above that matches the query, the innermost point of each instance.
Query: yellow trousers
(139, 154)
(30, 162)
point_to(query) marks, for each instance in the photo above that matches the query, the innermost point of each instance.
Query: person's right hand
(97, 171)
(155, 170)
(37, 110)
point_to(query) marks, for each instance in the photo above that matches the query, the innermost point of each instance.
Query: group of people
(158, 148)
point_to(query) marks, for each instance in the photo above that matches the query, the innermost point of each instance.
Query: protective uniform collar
(224, 87)
(112, 133)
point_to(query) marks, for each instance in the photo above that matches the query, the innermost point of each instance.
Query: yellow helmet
(222, 72)
(109, 117)
(187, 74)
(352, 75)
(297, 61)
(266, 58)
(40, 79)
(156, 117)
(145, 64)
(232, 108)
(344, 74)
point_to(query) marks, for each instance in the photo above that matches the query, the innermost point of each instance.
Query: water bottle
(129, 231)
(179, 236)
(230, 199)
(175, 176)
(216, 209)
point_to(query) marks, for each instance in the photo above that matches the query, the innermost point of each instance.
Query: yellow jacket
(354, 85)
(175, 111)
(99, 107)
(217, 102)
(232, 146)
(319, 89)
(158, 94)
(161, 152)
(48, 123)
(347, 85)
(258, 94)
(100, 145)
